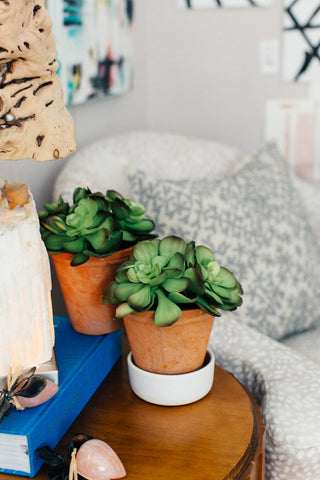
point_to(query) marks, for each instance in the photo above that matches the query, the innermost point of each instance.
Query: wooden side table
(219, 437)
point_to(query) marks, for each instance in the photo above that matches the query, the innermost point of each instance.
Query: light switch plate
(269, 57)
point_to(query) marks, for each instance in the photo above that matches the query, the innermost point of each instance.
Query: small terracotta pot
(82, 288)
(179, 348)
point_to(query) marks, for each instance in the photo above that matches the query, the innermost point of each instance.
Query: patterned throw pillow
(255, 223)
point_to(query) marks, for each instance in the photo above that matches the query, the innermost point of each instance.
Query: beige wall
(203, 71)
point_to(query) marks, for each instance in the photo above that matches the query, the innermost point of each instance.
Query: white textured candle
(26, 321)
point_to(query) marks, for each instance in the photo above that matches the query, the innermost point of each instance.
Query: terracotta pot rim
(67, 256)
(195, 315)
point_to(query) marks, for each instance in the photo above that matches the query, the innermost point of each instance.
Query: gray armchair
(257, 221)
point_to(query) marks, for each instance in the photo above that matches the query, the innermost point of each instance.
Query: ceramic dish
(172, 390)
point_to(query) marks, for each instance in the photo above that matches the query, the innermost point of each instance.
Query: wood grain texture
(34, 122)
(219, 437)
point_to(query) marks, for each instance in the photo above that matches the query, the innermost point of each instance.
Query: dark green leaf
(79, 259)
(50, 456)
(99, 239)
(75, 246)
(178, 297)
(80, 193)
(190, 254)
(204, 305)
(120, 209)
(4, 407)
(197, 283)
(55, 242)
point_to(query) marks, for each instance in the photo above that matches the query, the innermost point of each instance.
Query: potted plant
(168, 293)
(87, 241)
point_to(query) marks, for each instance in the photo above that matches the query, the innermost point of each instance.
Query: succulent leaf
(179, 298)
(190, 254)
(214, 297)
(167, 312)
(204, 305)
(196, 280)
(132, 276)
(170, 245)
(177, 262)
(128, 237)
(120, 209)
(98, 239)
(123, 309)
(225, 278)
(154, 282)
(204, 255)
(124, 290)
(79, 259)
(141, 300)
(144, 251)
(74, 246)
(142, 226)
(80, 193)
(107, 223)
(55, 242)
(176, 284)
(167, 274)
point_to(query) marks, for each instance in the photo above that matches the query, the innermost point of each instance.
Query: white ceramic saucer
(172, 390)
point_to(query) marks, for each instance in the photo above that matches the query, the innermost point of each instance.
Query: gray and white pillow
(255, 223)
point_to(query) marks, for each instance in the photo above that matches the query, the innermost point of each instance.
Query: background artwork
(94, 47)
(295, 126)
(205, 4)
(301, 41)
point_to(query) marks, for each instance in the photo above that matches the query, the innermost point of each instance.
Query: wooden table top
(215, 438)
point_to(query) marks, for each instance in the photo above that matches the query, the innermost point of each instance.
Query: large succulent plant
(96, 225)
(169, 275)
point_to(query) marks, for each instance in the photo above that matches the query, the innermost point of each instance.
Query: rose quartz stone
(97, 461)
(49, 390)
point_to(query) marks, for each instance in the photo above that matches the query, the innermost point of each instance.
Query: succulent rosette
(96, 225)
(169, 275)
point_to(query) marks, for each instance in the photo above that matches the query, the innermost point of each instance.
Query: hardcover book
(83, 363)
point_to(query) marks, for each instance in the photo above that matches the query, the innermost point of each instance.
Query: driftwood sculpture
(34, 122)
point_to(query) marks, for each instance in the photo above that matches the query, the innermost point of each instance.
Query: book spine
(74, 397)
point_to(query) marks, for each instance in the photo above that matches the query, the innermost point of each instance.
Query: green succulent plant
(169, 275)
(96, 225)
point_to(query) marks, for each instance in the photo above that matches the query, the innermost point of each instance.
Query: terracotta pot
(180, 348)
(82, 289)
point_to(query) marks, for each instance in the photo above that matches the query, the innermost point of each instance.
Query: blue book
(83, 363)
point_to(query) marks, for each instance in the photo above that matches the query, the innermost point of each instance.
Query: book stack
(83, 363)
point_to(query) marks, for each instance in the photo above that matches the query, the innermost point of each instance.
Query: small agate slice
(26, 319)
(97, 461)
(49, 391)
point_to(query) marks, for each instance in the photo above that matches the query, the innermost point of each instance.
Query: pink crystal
(97, 461)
